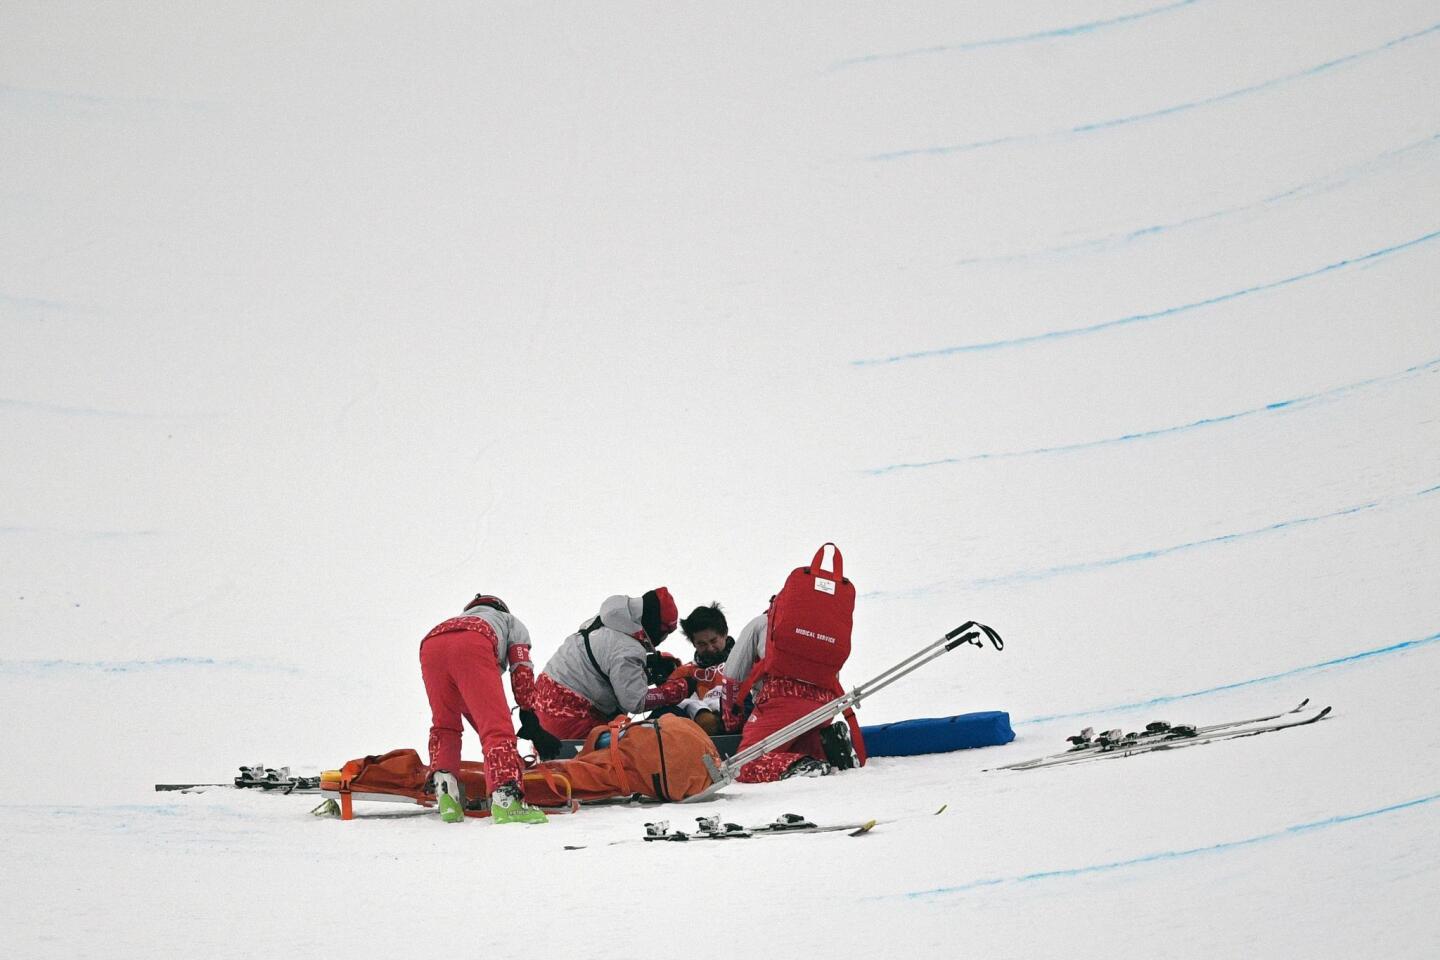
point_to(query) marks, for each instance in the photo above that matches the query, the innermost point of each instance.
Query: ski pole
(725, 774)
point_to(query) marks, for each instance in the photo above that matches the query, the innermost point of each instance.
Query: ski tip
(1323, 714)
(1303, 703)
(863, 829)
(943, 808)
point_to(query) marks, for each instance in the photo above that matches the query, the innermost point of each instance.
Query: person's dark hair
(705, 618)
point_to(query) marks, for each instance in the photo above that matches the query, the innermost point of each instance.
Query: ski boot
(507, 805)
(808, 767)
(839, 750)
(449, 796)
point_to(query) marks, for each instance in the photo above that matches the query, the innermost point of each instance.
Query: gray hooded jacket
(749, 648)
(620, 684)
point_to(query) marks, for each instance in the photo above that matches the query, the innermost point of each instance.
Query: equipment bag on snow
(908, 738)
(662, 758)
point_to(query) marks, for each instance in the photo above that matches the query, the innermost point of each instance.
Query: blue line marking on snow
(33, 406)
(1153, 114)
(1056, 33)
(1331, 181)
(87, 534)
(1295, 403)
(1153, 315)
(1352, 658)
(42, 667)
(11, 300)
(53, 99)
(1057, 570)
(1026, 576)
(1163, 855)
(90, 811)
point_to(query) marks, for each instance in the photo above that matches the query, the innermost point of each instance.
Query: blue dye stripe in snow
(1331, 181)
(1164, 111)
(1056, 33)
(1064, 568)
(1166, 855)
(1153, 315)
(1277, 406)
(1025, 576)
(135, 666)
(34, 406)
(1347, 660)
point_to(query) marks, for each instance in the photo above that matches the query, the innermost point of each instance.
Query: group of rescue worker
(609, 667)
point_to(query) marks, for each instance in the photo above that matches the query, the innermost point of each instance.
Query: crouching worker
(461, 661)
(790, 657)
(599, 672)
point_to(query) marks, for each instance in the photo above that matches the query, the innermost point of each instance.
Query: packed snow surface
(1111, 324)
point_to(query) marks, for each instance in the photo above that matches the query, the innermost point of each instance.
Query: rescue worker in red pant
(779, 701)
(461, 662)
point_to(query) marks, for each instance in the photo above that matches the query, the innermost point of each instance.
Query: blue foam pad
(906, 738)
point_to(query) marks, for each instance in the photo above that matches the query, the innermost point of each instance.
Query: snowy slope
(1111, 324)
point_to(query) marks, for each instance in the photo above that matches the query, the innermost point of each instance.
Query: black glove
(547, 745)
(659, 666)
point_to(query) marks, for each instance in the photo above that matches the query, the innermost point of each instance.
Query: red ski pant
(563, 712)
(462, 679)
(780, 703)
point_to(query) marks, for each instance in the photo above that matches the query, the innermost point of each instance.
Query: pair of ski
(258, 777)
(713, 828)
(1159, 736)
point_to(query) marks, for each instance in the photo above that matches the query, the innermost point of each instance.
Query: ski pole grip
(967, 632)
(961, 641)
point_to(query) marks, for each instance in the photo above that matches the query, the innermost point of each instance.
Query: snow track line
(1171, 110)
(1402, 647)
(1277, 406)
(1055, 33)
(1155, 553)
(1111, 242)
(1164, 855)
(1151, 315)
(59, 667)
